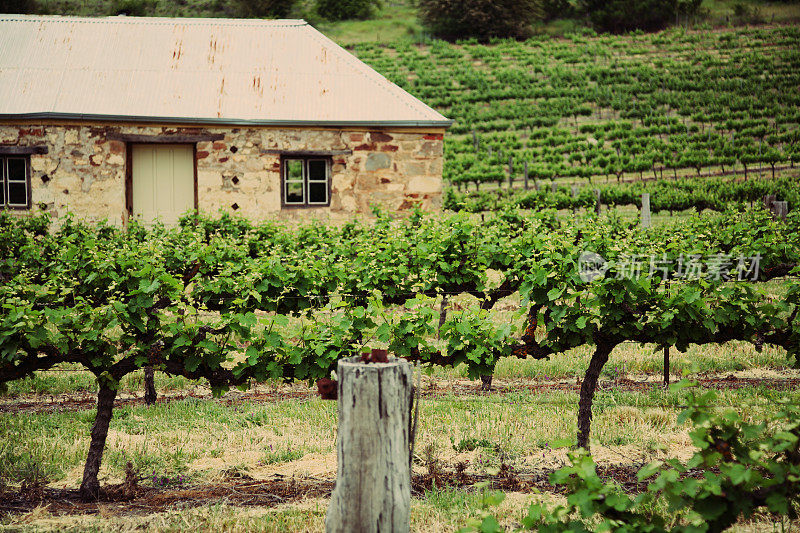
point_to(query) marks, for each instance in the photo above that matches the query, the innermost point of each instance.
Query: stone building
(112, 118)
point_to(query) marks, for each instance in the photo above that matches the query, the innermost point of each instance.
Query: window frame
(4, 181)
(305, 158)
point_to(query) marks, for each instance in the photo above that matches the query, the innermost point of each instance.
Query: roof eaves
(446, 123)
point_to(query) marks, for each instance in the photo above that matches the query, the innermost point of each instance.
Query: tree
(91, 297)
(264, 8)
(18, 6)
(482, 19)
(347, 9)
(133, 8)
(619, 16)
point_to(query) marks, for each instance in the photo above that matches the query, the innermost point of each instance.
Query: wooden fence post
(553, 186)
(525, 175)
(373, 478)
(666, 366)
(646, 210)
(780, 210)
(598, 200)
(575, 192)
(510, 171)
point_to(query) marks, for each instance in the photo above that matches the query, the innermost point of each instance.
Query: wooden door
(162, 181)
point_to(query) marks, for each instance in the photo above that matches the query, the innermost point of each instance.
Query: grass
(724, 12)
(191, 442)
(201, 439)
(72, 379)
(397, 21)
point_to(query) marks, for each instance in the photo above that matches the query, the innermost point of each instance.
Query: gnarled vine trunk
(589, 385)
(150, 394)
(90, 486)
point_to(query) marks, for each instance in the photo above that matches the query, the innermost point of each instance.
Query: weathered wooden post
(510, 171)
(525, 174)
(575, 191)
(779, 210)
(553, 186)
(373, 479)
(646, 210)
(475, 142)
(597, 204)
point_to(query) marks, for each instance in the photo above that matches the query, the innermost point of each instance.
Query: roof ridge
(254, 72)
(123, 19)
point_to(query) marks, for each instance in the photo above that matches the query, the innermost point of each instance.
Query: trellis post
(646, 210)
(373, 479)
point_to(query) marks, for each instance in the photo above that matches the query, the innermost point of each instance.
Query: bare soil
(431, 389)
(127, 499)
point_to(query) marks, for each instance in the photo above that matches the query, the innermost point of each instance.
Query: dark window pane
(294, 192)
(294, 169)
(2, 190)
(316, 170)
(318, 193)
(16, 169)
(17, 195)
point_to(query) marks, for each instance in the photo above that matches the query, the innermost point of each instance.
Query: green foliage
(230, 301)
(346, 9)
(107, 299)
(483, 521)
(481, 19)
(133, 8)
(619, 16)
(747, 13)
(740, 469)
(716, 194)
(19, 6)
(593, 107)
(264, 8)
(559, 9)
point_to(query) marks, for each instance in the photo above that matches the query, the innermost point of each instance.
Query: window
(306, 181)
(15, 189)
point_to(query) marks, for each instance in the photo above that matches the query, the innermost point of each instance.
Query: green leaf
(554, 293)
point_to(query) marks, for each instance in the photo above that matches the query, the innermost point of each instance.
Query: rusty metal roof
(260, 72)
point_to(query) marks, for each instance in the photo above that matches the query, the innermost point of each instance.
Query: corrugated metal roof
(192, 70)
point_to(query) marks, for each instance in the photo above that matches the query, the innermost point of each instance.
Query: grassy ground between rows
(196, 441)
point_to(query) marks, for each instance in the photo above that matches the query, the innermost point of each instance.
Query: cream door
(163, 181)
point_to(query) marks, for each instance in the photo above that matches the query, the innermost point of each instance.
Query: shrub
(482, 19)
(346, 9)
(618, 16)
(264, 8)
(740, 469)
(558, 9)
(133, 8)
(18, 6)
(746, 13)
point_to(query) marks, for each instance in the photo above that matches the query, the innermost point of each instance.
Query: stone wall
(84, 172)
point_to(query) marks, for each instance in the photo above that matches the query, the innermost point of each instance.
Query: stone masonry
(84, 173)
